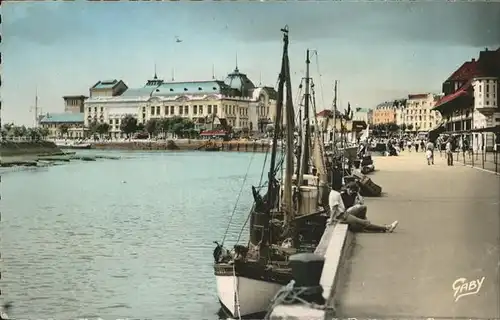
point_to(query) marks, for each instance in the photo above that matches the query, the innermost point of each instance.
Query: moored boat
(285, 220)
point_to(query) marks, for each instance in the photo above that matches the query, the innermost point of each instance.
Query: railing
(487, 160)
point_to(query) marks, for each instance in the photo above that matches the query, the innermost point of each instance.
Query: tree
(128, 125)
(392, 127)
(63, 129)
(44, 132)
(103, 129)
(403, 127)
(33, 134)
(410, 127)
(152, 127)
(19, 131)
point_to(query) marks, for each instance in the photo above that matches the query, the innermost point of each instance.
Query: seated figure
(347, 207)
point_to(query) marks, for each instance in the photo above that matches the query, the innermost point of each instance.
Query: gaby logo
(463, 288)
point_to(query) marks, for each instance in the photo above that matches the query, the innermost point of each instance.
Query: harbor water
(129, 238)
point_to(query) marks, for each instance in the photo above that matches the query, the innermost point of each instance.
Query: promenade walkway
(449, 229)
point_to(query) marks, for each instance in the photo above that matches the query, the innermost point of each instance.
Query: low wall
(28, 148)
(184, 145)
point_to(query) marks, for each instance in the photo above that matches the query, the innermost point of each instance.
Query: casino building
(471, 98)
(235, 102)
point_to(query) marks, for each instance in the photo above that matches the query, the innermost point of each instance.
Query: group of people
(347, 206)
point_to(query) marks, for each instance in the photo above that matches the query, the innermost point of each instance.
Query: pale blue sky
(377, 51)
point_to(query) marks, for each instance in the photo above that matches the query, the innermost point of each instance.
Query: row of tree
(9, 130)
(391, 128)
(178, 126)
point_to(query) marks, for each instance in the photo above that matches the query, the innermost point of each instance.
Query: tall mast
(304, 166)
(289, 160)
(299, 141)
(277, 121)
(335, 115)
(36, 107)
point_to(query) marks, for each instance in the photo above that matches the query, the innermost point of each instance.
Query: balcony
(486, 109)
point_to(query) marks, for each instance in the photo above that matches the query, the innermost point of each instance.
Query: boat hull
(245, 297)
(79, 146)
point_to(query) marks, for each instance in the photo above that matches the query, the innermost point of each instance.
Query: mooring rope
(292, 295)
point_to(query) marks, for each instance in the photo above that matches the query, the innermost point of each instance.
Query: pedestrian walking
(449, 152)
(429, 153)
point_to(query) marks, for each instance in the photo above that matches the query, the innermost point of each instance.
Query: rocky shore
(38, 154)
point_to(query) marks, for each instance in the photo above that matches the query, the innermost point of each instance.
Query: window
(172, 110)
(89, 109)
(209, 109)
(158, 110)
(200, 109)
(166, 110)
(487, 88)
(215, 109)
(102, 109)
(180, 109)
(152, 111)
(186, 109)
(195, 109)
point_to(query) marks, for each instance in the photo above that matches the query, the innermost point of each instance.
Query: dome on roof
(239, 81)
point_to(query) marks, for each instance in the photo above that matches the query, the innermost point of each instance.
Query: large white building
(235, 101)
(419, 112)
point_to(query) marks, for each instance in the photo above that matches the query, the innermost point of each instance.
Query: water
(129, 238)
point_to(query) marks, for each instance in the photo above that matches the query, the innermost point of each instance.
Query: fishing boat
(281, 220)
(73, 145)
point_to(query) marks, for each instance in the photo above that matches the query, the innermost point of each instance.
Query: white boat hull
(241, 296)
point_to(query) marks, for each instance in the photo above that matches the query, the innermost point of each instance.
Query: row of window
(170, 110)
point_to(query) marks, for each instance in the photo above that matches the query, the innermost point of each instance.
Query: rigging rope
(320, 81)
(259, 187)
(238, 199)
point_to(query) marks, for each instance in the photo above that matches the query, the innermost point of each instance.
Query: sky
(378, 51)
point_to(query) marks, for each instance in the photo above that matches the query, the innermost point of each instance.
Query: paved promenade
(449, 229)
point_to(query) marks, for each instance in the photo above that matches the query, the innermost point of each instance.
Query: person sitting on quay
(353, 212)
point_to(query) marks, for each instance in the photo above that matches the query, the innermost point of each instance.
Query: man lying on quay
(348, 207)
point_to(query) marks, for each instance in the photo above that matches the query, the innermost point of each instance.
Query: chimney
(473, 60)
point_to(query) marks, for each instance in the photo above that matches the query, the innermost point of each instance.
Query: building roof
(239, 81)
(139, 92)
(366, 110)
(488, 65)
(62, 118)
(192, 87)
(418, 96)
(75, 97)
(461, 92)
(107, 84)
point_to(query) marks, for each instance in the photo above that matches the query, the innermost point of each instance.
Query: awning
(462, 92)
(214, 133)
(494, 129)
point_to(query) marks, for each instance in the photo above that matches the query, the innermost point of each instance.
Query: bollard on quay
(306, 271)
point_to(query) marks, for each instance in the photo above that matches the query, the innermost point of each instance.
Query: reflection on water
(78, 242)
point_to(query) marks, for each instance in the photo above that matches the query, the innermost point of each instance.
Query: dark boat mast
(304, 166)
(263, 214)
